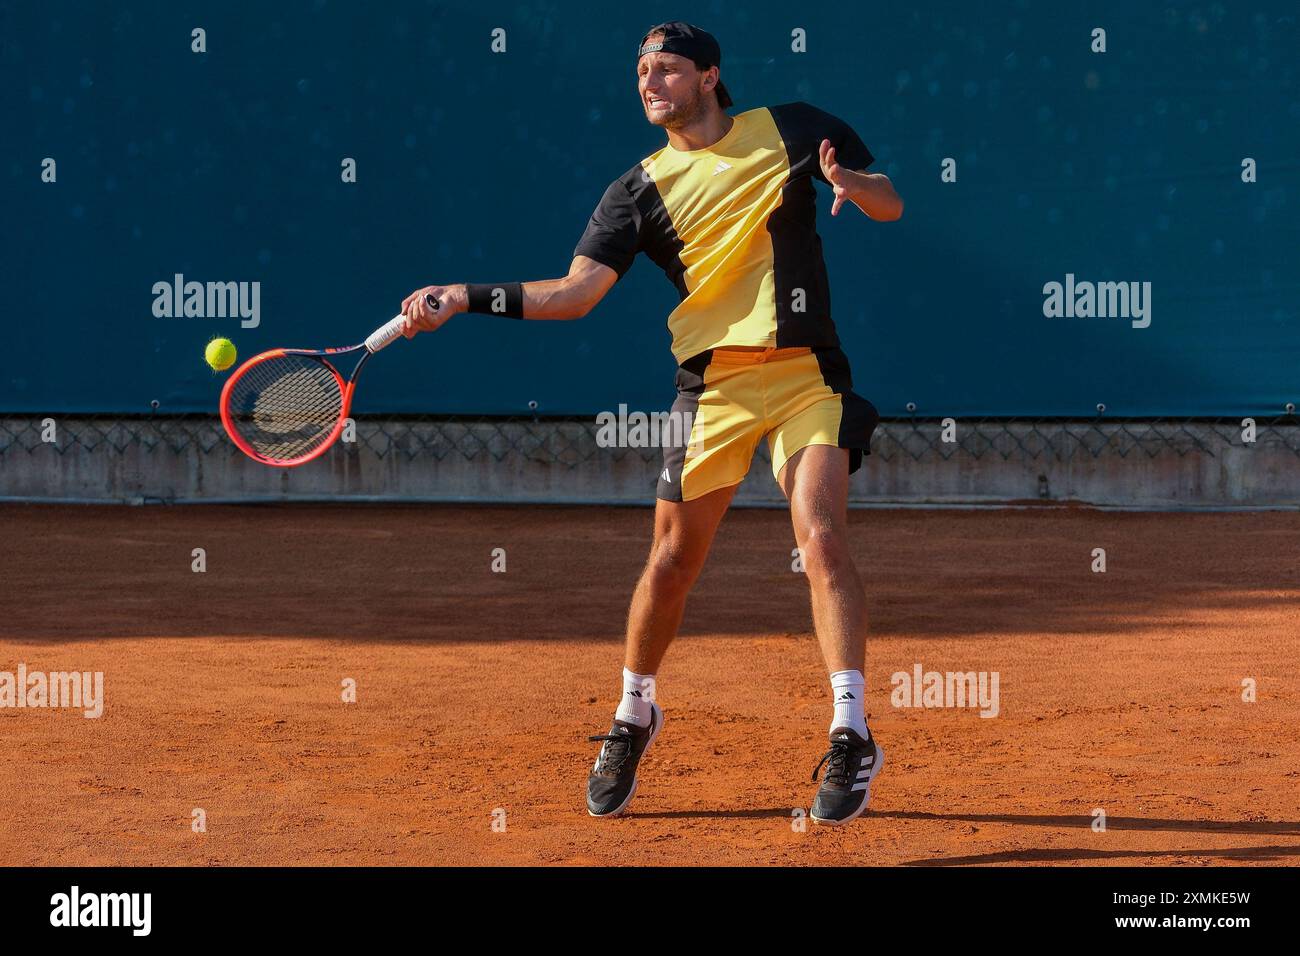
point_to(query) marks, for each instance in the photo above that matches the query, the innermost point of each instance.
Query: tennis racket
(287, 406)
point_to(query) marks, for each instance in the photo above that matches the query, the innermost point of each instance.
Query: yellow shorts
(796, 397)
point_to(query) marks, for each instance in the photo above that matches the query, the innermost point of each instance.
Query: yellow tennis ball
(220, 354)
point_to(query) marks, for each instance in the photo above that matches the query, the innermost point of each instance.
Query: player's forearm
(874, 194)
(554, 299)
(544, 299)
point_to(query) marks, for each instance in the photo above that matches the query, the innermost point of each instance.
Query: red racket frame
(387, 333)
(346, 388)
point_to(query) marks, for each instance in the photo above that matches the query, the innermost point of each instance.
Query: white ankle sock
(848, 691)
(638, 692)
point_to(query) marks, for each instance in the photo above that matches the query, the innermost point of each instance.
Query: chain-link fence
(572, 442)
(1163, 463)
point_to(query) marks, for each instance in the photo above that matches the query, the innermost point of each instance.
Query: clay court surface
(476, 690)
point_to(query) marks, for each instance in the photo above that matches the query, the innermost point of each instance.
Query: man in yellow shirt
(728, 210)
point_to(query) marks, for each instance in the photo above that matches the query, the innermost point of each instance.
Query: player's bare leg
(816, 481)
(683, 533)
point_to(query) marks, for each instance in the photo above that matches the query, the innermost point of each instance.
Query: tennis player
(727, 209)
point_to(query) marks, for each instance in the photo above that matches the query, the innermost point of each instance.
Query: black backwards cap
(688, 41)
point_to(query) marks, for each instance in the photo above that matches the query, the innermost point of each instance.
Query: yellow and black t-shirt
(734, 227)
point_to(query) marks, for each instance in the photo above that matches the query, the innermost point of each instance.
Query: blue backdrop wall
(474, 165)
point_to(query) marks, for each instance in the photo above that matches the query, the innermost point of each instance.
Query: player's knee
(825, 551)
(673, 565)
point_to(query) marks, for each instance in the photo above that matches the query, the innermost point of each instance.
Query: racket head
(285, 407)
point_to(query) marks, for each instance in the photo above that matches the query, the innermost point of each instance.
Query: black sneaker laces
(838, 771)
(612, 755)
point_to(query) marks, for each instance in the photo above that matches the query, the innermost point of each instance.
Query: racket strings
(286, 407)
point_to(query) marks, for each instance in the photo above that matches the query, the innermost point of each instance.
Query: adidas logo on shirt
(721, 167)
(666, 477)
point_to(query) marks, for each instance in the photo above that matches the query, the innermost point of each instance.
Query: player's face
(670, 88)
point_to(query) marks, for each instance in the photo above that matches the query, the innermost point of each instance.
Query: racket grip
(391, 330)
(386, 334)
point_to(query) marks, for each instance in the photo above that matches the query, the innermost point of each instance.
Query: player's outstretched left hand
(835, 174)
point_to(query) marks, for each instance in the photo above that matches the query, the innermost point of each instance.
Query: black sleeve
(850, 151)
(613, 235)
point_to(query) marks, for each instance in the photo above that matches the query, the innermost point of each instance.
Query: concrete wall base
(1155, 465)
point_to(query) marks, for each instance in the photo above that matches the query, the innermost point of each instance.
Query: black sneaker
(846, 787)
(612, 783)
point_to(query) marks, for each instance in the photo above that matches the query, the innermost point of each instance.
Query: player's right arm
(569, 297)
(603, 255)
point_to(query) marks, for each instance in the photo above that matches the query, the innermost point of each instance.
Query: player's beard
(679, 116)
